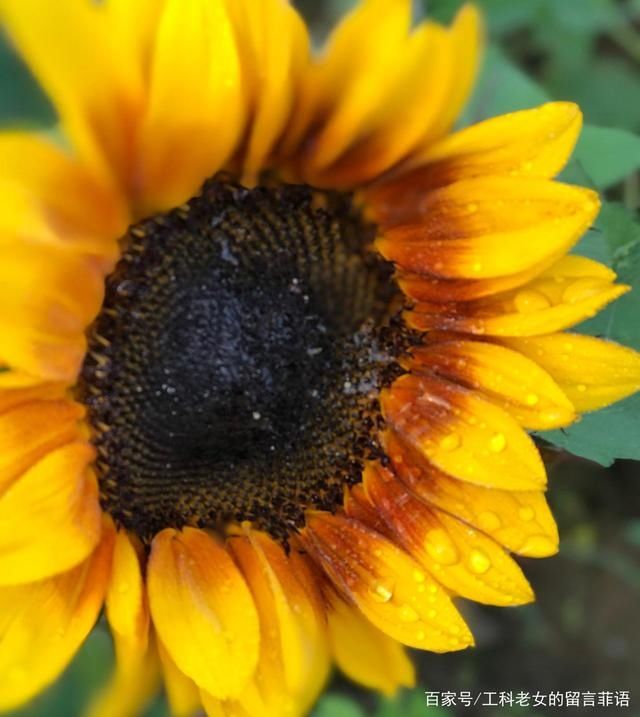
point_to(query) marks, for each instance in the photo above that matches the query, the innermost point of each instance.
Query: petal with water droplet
(493, 511)
(568, 299)
(422, 409)
(380, 579)
(481, 570)
(595, 373)
(508, 378)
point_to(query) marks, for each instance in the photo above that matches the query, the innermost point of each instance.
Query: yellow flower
(271, 340)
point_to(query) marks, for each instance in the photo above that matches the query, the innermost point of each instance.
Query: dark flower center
(233, 371)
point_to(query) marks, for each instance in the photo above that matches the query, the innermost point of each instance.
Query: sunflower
(272, 338)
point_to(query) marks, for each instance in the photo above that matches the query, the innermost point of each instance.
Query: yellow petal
(463, 560)
(43, 624)
(412, 106)
(519, 520)
(182, 693)
(203, 611)
(45, 310)
(50, 517)
(506, 377)
(290, 635)
(47, 196)
(467, 39)
(365, 654)
(530, 143)
(127, 609)
(274, 46)
(69, 49)
(196, 107)
(18, 388)
(352, 92)
(571, 290)
(389, 587)
(31, 430)
(490, 227)
(462, 433)
(592, 372)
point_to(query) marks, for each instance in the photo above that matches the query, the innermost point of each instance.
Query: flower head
(272, 338)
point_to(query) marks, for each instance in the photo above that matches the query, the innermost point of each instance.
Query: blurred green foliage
(584, 631)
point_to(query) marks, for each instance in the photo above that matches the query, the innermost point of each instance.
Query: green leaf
(612, 432)
(501, 88)
(22, 102)
(337, 706)
(605, 156)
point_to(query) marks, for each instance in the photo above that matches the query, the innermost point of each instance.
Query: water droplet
(529, 300)
(476, 267)
(408, 614)
(381, 592)
(431, 613)
(440, 547)
(531, 399)
(472, 208)
(479, 561)
(418, 576)
(450, 442)
(526, 513)
(489, 520)
(498, 443)
(581, 387)
(420, 635)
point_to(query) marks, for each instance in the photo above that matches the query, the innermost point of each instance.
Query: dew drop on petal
(440, 547)
(531, 399)
(408, 614)
(479, 561)
(488, 520)
(450, 442)
(526, 513)
(498, 443)
(380, 592)
(529, 300)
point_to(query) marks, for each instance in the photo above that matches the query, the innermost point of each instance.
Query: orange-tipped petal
(529, 143)
(490, 227)
(462, 433)
(519, 520)
(570, 291)
(508, 378)
(388, 586)
(463, 560)
(203, 611)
